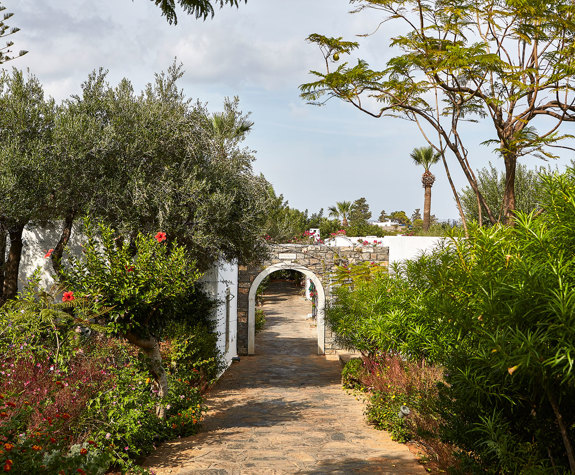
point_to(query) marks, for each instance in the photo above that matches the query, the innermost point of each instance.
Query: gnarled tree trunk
(64, 238)
(12, 265)
(151, 349)
(2, 257)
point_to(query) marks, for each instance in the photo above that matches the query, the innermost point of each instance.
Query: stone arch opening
(320, 318)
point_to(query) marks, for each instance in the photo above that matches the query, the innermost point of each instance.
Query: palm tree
(341, 211)
(425, 156)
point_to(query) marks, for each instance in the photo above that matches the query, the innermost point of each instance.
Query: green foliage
(350, 275)
(424, 156)
(446, 70)
(25, 148)
(382, 411)
(496, 312)
(144, 282)
(199, 8)
(341, 211)
(138, 161)
(328, 227)
(366, 229)
(283, 223)
(75, 399)
(491, 182)
(360, 213)
(192, 349)
(41, 452)
(260, 320)
(400, 217)
(350, 374)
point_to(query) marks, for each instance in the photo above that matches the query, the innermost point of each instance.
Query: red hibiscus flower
(68, 297)
(160, 236)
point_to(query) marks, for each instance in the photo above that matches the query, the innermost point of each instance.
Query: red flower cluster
(160, 236)
(68, 296)
(49, 253)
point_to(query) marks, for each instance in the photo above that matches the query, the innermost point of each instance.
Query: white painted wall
(223, 276)
(221, 282)
(401, 248)
(37, 241)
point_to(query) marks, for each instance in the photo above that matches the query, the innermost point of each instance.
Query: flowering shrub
(143, 285)
(495, 312)
(78, 398)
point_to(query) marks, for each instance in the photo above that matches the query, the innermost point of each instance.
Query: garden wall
(221, 282)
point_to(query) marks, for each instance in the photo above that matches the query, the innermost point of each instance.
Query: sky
(314, 156)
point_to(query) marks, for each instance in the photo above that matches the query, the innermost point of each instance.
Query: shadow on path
(283, 411)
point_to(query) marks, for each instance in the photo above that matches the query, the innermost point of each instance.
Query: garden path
(283, 411)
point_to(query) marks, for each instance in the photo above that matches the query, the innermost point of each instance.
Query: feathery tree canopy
(511, 63)
(199, 8)
(6, 53)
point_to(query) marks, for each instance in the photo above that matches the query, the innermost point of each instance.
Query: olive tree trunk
(151, 349)
(2, 257)
(64, 238)
(12, 265)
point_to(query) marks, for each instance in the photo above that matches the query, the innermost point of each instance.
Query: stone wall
(319, 259)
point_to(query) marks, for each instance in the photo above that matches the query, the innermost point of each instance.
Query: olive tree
(26, 159)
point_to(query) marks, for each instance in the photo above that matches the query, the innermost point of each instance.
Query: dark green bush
(496, 311)
(351, 374)
(260, 320)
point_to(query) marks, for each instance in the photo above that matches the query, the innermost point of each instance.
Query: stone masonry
(319, 259)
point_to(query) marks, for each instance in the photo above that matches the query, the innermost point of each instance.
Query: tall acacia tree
(426, 156)
(341, 211)
(512, 62)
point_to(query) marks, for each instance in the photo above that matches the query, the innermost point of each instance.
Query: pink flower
(160, 236)
(49, 253)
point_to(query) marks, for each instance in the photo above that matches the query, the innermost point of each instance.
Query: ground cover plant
(494, 313)
(77, 395)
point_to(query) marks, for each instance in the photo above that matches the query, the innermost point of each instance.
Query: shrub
(260, 320)
(496, 312)
(351, 374)
(142, 285)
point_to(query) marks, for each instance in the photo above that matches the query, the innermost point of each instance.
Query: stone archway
(320, 303)
(316, 261)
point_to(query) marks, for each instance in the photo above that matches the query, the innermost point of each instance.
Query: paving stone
(284, 411)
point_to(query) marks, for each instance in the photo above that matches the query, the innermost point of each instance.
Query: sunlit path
(283, 411)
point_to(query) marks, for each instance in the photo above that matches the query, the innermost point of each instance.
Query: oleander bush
(495, 314)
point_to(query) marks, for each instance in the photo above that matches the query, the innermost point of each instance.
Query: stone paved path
(283, 411)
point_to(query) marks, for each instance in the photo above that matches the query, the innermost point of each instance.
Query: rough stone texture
(284, 411)
(319, 259)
